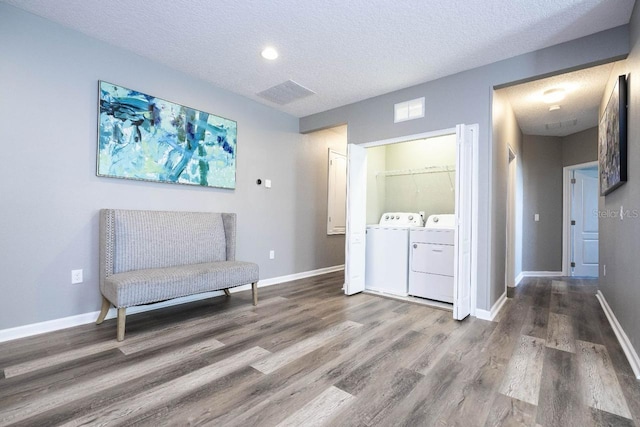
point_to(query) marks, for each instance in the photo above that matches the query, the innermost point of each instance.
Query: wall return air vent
(285, 93)
(408, 110)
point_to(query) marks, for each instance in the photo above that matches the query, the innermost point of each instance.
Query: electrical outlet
(76, 276)
(272, 254)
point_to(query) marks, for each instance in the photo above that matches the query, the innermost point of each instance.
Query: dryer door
(432, 258)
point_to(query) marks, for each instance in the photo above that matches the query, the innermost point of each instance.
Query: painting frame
(147, 138)
(612, 140)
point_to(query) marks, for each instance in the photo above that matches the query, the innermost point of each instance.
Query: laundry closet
(411, 185)
(410, 218)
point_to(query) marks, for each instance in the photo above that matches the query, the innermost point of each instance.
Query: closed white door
(337, 193)
(356, 227)
(584, 213)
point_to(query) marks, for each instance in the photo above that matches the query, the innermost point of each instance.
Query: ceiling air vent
(285, 93)
(561, 125)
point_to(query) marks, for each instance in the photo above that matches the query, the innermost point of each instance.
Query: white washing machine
(432, 259)
(387, 252)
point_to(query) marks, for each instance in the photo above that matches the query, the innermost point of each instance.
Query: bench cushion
(158, 284)
(153, 239)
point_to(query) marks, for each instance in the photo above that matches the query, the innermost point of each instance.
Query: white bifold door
(462, 267)
(356, 227)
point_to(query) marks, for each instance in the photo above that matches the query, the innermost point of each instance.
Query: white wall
(51, 196)
(433, 193)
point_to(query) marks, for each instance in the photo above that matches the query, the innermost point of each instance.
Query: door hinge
(573, 264)
(573, 180)
(573, 222)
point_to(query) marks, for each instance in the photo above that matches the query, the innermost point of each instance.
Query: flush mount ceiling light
(269, 53)
(554, 108)
(553, 95)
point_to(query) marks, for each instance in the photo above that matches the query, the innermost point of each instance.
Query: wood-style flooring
(309, 356)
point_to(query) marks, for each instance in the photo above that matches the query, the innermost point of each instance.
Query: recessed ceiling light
(554, 108)
(553, 95)
(269, 53)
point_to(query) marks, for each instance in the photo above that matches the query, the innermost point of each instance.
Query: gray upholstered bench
(151, 256)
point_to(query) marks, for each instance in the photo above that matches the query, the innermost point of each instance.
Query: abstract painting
(612, 140)
(147, 138)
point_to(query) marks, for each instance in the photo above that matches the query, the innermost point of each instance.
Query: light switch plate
(76, 277)
(267, 183)
(536, 217)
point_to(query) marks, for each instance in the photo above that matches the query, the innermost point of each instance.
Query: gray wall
(619, 242)
(466, 98)
(581, 147)
(507, 134)
(544, 159)
(51, 196)
(542, 170)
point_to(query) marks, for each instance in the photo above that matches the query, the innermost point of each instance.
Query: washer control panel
(405, 219)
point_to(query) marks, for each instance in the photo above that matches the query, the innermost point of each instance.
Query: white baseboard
(519, 278)
(627, 347)
(540, 274)
(83, 319)
(490, 315)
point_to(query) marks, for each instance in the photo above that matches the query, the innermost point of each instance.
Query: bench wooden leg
(254, 291)
(103, 311)
(226, 292)
(122, 315)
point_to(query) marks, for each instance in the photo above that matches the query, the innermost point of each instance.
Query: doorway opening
(580, 220)
(464, 261)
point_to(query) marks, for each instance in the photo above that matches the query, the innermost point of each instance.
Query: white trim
(566, 213)
(407, 138)
(540, 274)
(625, 343)
(475, 242)
(83, 319)
(519, 278)
(490, 315)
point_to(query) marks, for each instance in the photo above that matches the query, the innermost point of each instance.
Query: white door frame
(474, 194)
(566, 213)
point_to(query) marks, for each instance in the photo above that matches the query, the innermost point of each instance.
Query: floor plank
(560, 333)
(560, 401)
(601, 389)
(507, 411)
(522, 379)
(320, 410)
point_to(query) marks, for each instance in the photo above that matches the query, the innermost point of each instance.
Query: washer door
(431, 258)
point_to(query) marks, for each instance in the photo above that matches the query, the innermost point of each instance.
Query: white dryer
(387, 252)
(432, 259)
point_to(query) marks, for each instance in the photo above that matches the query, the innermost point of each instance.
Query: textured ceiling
(345, 51)
(584, 90)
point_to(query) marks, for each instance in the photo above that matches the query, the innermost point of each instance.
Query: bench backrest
(135, 240)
